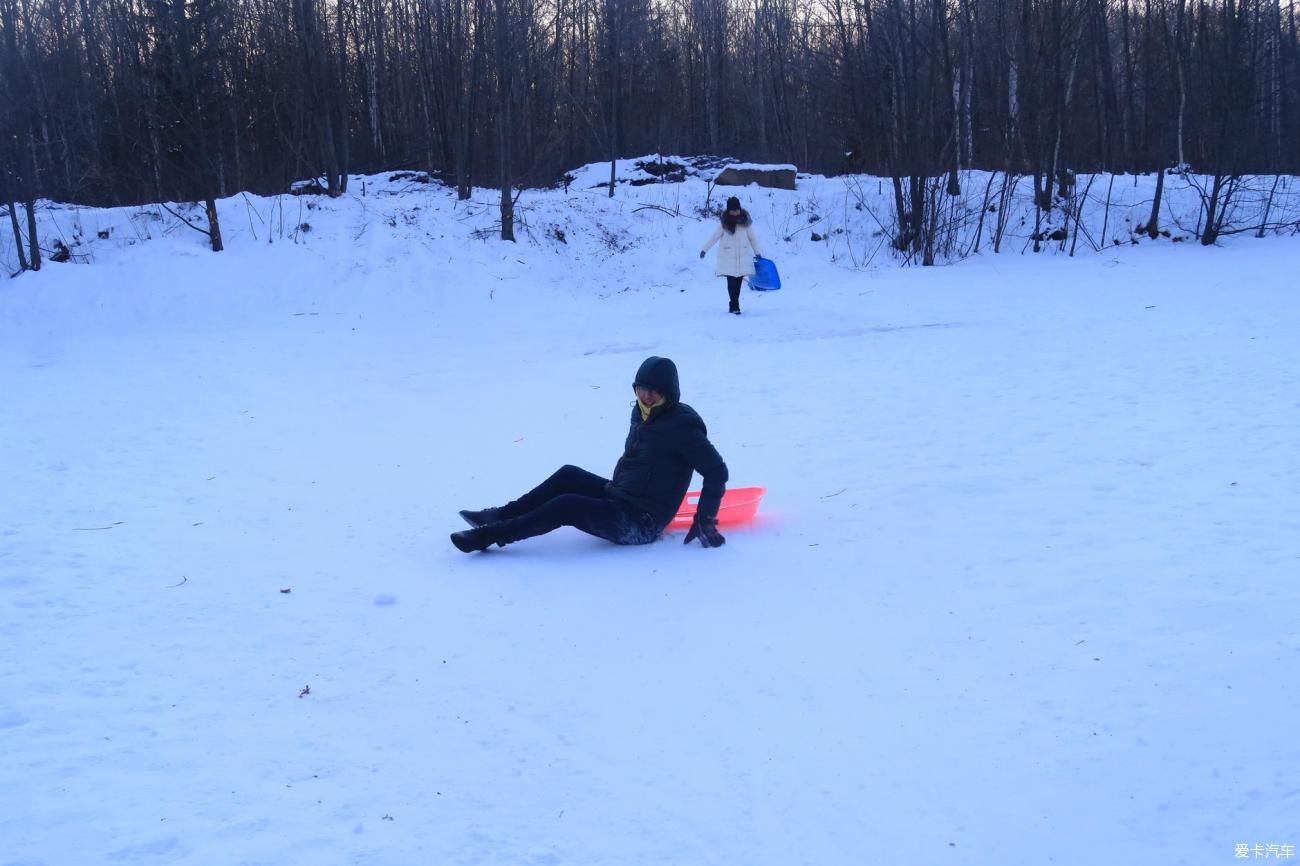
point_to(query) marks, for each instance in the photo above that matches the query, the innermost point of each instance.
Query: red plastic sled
(739, 505)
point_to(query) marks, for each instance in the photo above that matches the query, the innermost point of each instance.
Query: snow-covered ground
(1022, 590)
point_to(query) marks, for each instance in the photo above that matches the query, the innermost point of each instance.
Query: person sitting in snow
(737, 250)
(666, 443)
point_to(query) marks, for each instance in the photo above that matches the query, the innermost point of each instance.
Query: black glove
(701, 253)
(706, 530)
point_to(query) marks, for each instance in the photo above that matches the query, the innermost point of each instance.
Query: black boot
(472, 540)
(482, 518)
(500, 533)
(733, 294)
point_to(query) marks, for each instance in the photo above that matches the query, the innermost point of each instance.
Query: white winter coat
(735, 252)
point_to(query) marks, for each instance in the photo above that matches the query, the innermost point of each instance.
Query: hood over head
(661, 375)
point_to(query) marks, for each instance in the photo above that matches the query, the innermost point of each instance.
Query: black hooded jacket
(661, 452)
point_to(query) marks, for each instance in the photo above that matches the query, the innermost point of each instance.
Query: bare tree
(506, 39)
(186, 37)
(18, 125)
(322, 76)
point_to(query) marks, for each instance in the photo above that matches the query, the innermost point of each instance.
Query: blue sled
(765, 278)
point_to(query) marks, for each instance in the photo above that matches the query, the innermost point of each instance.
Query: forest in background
(112, 102)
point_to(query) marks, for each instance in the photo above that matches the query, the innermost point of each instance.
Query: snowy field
(1022, 590)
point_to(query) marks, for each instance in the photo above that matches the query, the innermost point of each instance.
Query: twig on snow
(203, 232)
(657, 207)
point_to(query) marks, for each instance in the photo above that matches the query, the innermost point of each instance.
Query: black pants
(733, 292)
(574, 497)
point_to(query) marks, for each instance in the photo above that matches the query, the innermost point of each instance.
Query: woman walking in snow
(737, 247)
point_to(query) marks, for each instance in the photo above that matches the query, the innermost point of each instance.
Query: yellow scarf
(646, 410)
